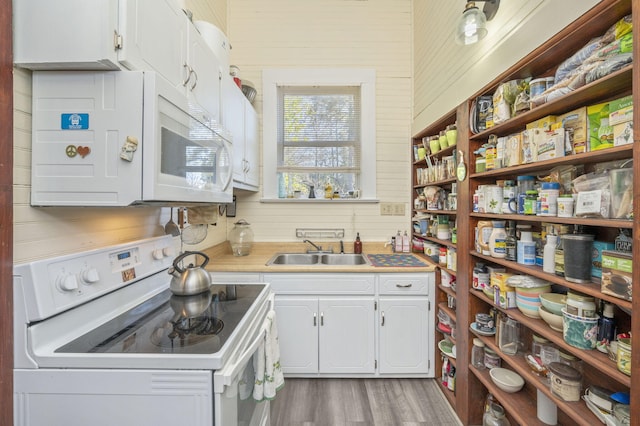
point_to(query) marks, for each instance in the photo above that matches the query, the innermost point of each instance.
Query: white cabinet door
(297, 333)
(204, 82)
(233, 121)
(347, 343)
(66, 34)
(154, 36)
(404, 335)
(251, 145)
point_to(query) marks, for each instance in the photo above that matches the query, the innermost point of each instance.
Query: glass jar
(241, 238)
(509, 335)
(495, 416)
(491, 358)
(477, 354)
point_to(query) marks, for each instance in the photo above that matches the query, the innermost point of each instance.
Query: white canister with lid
(581, 305)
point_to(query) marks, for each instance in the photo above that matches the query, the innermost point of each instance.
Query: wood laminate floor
(360, 402)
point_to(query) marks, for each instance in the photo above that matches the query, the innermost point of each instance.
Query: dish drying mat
(395, 260)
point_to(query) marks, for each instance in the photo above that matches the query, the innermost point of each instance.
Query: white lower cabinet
(355, 324)
(404, 340)
(326, 335)
(405, 322)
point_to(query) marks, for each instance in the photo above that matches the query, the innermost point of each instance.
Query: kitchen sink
(294, 259)
(344, 259)
(348, 259)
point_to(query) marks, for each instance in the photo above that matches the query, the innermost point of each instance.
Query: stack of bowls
(528, 299)
(551, 309)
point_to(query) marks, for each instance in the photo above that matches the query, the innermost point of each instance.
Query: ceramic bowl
(506, 379)
(528, 299)
(554, 302)
(553, 320)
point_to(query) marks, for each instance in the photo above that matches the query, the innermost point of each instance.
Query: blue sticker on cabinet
(75, 121)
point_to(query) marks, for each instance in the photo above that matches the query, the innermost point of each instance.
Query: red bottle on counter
(357, 245)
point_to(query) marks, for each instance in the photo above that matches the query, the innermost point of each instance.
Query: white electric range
(99, 339)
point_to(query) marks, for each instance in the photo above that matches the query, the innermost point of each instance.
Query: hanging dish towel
(266, 363)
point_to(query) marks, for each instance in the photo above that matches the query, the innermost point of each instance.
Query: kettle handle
(188, 253)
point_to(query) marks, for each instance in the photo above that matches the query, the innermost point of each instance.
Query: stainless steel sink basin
(318, 259)
(294, 259)
(344, 259)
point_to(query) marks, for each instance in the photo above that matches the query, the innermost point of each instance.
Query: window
(319, 129)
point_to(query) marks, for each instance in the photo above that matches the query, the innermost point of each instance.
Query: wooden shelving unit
(598, 368)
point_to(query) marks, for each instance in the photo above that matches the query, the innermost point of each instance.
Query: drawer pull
(382, 319)
(315, 319)
(321, 318)
(404, 285)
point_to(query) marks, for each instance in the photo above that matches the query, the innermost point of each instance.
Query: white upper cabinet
(241, 120)
(153, 35)
(66, 34)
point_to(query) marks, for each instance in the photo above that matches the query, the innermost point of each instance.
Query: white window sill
(319, 200)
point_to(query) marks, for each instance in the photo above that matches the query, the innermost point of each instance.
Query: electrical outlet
(386, 209)
(398, 209)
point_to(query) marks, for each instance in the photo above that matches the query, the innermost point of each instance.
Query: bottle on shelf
(511, 242)
(549, 257)
(607, 325)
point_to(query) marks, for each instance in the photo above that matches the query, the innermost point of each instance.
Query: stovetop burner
(186, 330)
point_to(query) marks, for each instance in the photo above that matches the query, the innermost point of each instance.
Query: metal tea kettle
(193, 279)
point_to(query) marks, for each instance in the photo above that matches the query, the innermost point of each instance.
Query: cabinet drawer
(355, 283)
(417, 284)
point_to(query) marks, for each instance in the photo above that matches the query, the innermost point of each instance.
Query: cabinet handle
(188, 72)
(404, 285)
(315, 319)
(321, 318)
(382, 313)
(195, 83)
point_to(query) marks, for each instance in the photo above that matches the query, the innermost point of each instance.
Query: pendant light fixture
(472, 26)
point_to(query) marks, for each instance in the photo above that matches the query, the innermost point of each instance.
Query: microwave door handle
(230, 177)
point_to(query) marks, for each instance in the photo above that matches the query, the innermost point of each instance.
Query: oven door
(233, 384)
(191, 162)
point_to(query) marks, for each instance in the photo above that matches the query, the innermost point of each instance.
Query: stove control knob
(67, 282)
(168, 251)
(157, 254)
(90, 275)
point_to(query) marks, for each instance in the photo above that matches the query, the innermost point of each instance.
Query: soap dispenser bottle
(398, 243)
(357, 245)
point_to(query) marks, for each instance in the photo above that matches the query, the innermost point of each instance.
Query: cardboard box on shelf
(621, 110)
(600, 131)
(528, 144)
(513, 150)
(543, 123)
(596, 259)
(617, 268)
(575, 123)
(504, 296)
(549, 143)
(621, 118)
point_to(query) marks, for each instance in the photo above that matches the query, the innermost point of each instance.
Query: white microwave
(120, 138)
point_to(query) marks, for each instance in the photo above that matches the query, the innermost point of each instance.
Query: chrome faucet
(317, 247)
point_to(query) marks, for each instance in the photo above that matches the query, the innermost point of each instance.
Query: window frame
(272, 78)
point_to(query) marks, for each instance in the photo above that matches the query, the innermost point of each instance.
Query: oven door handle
(230, 371)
